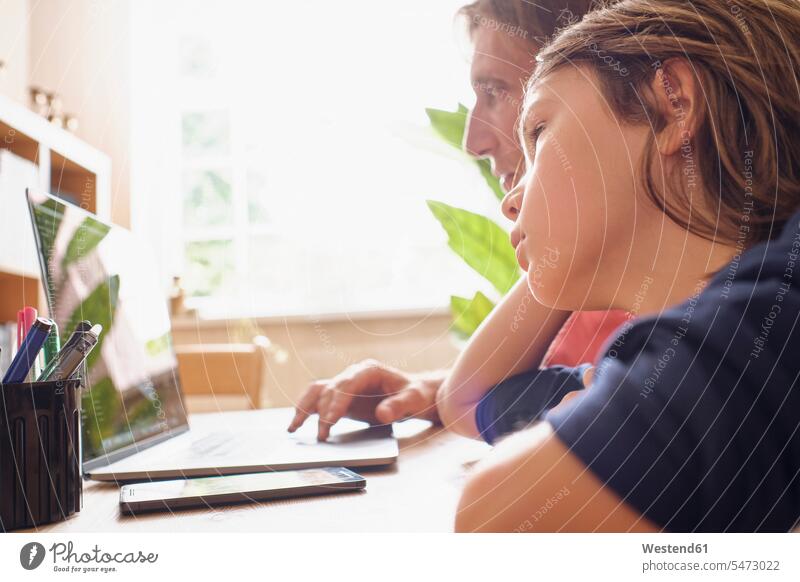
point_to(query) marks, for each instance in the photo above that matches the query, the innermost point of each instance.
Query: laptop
(135, 425)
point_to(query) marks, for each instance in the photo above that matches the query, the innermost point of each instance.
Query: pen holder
(41, 480)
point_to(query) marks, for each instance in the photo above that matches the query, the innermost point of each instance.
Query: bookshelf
(34, 153)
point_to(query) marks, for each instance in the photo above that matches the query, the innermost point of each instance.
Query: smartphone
(226, 489)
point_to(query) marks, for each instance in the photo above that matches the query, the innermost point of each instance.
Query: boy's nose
(512, 203)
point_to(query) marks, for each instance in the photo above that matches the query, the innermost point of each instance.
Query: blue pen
(28, 351)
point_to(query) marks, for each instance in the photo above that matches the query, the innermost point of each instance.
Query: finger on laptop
(334, 408)
(408, 402)
(325, 421)
(306, 406)
(352, 382)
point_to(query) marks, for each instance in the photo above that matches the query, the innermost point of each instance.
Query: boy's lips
(520, 258)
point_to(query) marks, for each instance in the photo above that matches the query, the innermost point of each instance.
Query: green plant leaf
(469, 313)
(449, 124)
(485, 167)
(482, 244)
(87, 236)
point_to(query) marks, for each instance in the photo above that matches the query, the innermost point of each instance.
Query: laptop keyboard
(213, 444)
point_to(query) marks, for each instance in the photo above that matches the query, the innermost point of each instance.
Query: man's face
(501, 65)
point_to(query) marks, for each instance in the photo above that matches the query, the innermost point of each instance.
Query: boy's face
(580, 229)
(501, 65)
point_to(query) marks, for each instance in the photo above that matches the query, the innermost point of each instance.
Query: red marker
(25, 319)
(30, 316)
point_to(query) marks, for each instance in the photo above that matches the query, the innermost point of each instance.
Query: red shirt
(583, 336)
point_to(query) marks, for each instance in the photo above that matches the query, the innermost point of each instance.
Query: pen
(52, 346)
(80, 329)
(72, 355)
(31, 345)
(25, 319)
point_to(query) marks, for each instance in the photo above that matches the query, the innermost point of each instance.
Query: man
(505, 36)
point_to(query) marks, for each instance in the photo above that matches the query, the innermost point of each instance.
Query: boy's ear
(678, 100)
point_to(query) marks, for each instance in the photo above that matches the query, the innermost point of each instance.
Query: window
(282, 155)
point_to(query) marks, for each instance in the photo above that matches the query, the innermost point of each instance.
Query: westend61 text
(673, 549)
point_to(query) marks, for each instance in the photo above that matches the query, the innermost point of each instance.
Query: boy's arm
(532, 482)
(513, 339)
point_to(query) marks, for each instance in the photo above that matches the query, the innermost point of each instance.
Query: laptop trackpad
(255, 440)
(222, 444)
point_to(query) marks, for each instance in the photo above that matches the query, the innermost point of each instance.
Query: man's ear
(678, 100)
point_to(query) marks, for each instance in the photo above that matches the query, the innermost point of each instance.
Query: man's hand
(369, 391)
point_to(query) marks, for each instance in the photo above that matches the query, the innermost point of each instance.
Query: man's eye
(491, 91)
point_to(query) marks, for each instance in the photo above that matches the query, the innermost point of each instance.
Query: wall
(321, 348)
(80, 49)
(14, 49)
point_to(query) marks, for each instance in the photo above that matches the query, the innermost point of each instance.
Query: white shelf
(17, 248)
(35, 153)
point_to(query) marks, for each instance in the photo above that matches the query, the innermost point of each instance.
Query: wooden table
(419, 493)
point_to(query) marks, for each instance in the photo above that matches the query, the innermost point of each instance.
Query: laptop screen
(101, 273)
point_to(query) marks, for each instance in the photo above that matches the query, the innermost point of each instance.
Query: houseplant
(478, 240)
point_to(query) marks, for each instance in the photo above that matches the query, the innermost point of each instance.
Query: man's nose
(479, 139)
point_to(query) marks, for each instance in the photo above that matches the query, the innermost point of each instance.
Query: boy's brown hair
(746, 59)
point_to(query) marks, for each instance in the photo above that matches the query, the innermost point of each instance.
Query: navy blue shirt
(693, 417)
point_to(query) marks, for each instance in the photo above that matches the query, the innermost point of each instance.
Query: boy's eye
(533, 135)
(537, 131)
